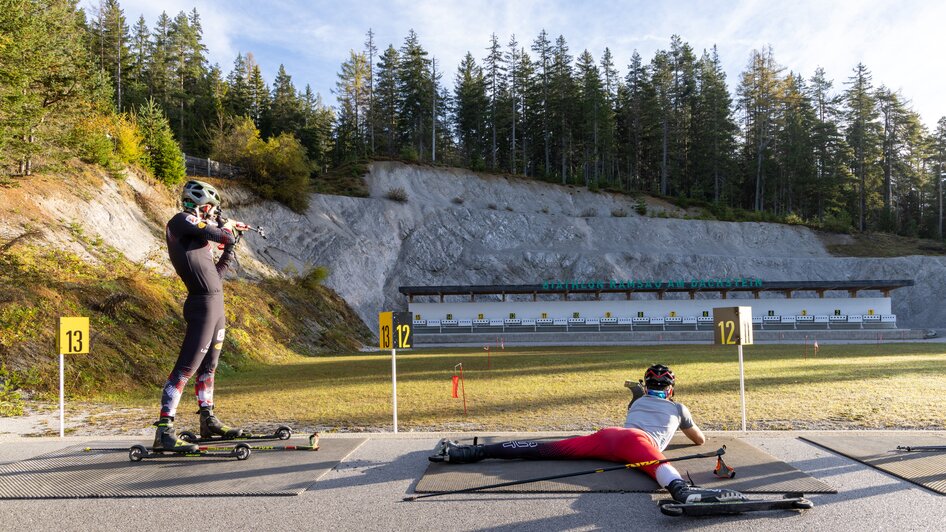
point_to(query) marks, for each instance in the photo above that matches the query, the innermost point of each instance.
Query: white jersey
(659, 418)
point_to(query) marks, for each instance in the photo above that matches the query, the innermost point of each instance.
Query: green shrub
(618, 213)
(90, 140)
(409, 153)
(314, 277)
(128, 140)
(641, 206)
(794, 219)
(277, 169)
(396, 194)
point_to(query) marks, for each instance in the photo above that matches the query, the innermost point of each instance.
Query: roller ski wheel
(283, 432)
(240, 451)
(793, 501)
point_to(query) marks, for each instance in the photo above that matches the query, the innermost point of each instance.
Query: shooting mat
(74, 473)
(927, 469)
(756, 472)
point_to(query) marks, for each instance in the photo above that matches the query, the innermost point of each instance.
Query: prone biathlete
(652, 419)
(189, 235)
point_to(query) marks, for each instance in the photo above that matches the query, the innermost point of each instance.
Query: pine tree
(715, 131)
(49, 81)
(939, 158)
(829, 146)
(135, 93)
(495, 86)
(758, 100)
(238, 101)
(387, 100)
(610, 84)
(352, 93)
(258, 95)
(562, 95)
(286, 108)
(160, 77)
(543, 50)
(591, 102)
(316, 132)
(864, 137)
(414, 88)
(110, 41)
(471, 107)
(631, 120)
(370, 51)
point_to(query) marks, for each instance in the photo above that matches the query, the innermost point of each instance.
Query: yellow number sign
(385, 326)
(733, 325)
(73, 336)
(395, 330)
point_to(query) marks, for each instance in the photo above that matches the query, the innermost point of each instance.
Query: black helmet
(658, 377)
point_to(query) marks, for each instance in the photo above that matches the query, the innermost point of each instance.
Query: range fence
(199, 166)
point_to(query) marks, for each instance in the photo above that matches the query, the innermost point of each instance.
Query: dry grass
(565, 388)
(885, 245)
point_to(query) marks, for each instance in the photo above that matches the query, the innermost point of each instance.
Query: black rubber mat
(74, 473)
(927, 469)
(756, 472)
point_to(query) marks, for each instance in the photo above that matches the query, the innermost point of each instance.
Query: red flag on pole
(456, 382)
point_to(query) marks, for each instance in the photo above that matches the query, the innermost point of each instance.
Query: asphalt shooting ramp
(927, 469)
(756, 472)
(74, 473)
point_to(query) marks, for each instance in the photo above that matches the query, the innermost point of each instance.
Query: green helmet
(197, 193)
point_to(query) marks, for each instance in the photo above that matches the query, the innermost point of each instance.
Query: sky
(901, 43)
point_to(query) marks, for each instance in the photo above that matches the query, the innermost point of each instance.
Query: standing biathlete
(652, 419)
(189, 235)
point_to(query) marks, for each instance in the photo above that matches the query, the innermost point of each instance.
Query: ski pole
(721, 451)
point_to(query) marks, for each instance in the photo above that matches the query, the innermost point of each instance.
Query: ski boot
(165, 438)
(453, 452)
(687, 494)
(211, 427)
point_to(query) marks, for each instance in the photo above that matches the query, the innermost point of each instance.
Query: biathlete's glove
(637, 390)
(235, 229)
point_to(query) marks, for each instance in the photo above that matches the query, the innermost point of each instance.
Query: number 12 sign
(395, 330)
(732, 326)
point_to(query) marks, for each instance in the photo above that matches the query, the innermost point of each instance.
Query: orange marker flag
(456, 382)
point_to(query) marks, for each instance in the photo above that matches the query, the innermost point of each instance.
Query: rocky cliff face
(457, 228)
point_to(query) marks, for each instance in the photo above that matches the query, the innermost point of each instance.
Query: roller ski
(921, 448)
(313, 445)
(693, 500)
(213, 431)
(167, 444)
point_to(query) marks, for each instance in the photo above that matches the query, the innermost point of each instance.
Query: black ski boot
(453, 452)
(165, 438)
(211, 427)
(687, 494)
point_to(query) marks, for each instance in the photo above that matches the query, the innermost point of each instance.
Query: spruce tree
(471, 108)
(387, 100)
(864, 136)
(414, 90)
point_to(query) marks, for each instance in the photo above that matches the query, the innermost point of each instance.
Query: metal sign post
(733, 325)
(395, 332)
(394, 385)
(72, 339)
